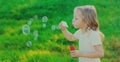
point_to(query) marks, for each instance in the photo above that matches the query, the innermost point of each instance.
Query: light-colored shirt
(87, 41)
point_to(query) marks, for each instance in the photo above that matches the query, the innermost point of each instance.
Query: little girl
(88, 34)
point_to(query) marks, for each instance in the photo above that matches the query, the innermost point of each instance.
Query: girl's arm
(66, 33)
(99, 52)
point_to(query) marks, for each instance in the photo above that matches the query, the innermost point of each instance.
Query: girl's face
(77, 20)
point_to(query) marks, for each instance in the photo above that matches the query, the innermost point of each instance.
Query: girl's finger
(72, 51)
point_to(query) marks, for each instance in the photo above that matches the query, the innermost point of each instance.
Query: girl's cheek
(80, 23)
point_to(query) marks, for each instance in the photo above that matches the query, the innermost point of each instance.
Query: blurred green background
(51, 45)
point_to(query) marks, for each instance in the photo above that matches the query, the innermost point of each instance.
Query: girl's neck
(84, 30)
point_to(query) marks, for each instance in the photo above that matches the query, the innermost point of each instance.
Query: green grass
(52, 45)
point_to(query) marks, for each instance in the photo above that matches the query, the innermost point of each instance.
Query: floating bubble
(53, 27)
(57, 27)
(36, 38)
(44, 25)
(30, 21)
(29, 44)
(25, 29)
(36, 16)
(35, 34)
(44, 19)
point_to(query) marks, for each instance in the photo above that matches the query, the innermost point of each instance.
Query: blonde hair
(89, 16)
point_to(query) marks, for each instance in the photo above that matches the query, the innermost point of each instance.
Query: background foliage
(51, 45)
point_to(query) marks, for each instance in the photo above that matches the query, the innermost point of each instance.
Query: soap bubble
(35, 34)
(36, 16)
(57, 27)
(44, 25)
(53, 27)
(44, 19)
(30, 21)
(25, 29)
(36, 38)
(29, 43)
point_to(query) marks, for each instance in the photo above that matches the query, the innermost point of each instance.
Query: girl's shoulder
(78, 32)
(94, 33)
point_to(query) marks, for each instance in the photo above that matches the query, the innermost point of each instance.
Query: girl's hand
(63, 25)
(75, 53)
